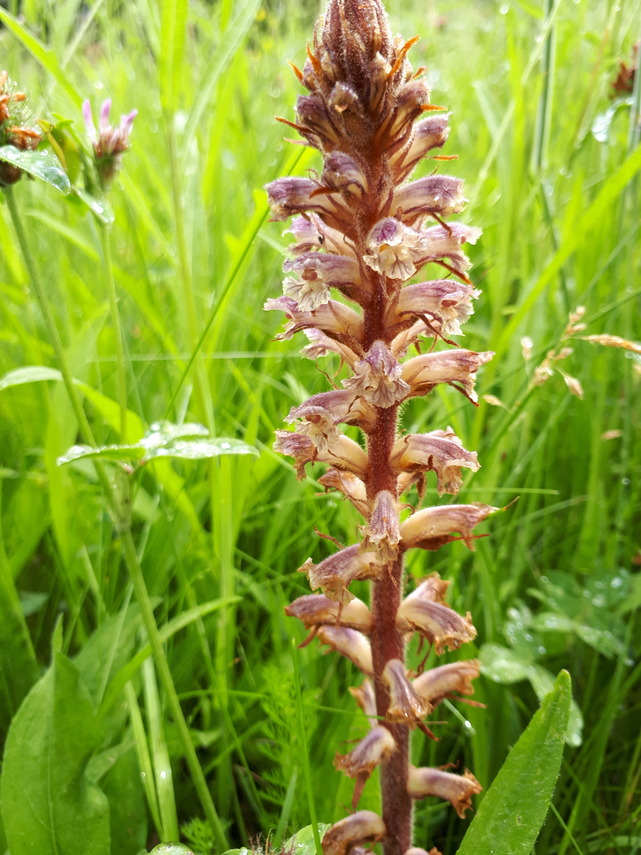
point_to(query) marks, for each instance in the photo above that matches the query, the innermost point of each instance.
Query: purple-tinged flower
(332, 408)
(315, 610)
(334, 575)
(456, 789)
(377, 377)
(446, 680)
(342, 173)
(335, 319)
(455, 367)
(444, 303)
(428, 134)
(432, 527)
(439, 195)
(351, 644)
(437, 622)
(441, 452)
(375, 747)
(406, 705)
(109, 143)
(342, 453)
(382, 533)
(344, 835)
(350, 485)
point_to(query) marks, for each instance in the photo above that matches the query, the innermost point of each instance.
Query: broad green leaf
(302, 843)
(48, 802)
(42, 164)
(506, 666)
(511, 814)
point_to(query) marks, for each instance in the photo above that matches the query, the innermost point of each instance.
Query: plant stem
(105, 240)
(387, 643)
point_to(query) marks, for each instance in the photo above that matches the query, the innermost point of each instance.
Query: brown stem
(387, 643)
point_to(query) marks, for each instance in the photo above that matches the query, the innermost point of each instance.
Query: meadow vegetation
(142, 603)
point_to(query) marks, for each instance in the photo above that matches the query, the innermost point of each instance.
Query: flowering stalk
(362, 229)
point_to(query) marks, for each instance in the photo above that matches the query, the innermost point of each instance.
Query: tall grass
(193, 259)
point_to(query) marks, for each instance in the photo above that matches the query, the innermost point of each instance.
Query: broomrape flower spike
(362, 230)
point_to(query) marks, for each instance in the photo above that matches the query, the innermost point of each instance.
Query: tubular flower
(457, 789)
(363, 233)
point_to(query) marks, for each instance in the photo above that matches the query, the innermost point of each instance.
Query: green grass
(557, 583)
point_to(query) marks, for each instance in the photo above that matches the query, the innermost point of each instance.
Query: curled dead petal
(320, 344)
(342, 173)
(432, 527)
(456, 789)
(406, 705)
(294, 195)
(342, 452)
(339, 406)
(377, 377)
(455, 367)
(334, 574)
(333, 318)
(426, 135)
(313, 235)
(359, 827)
(375, 747)
(316, 610)
(382, 533)
(446, 681)
(444, 302)
(365, 698)
(309, 294)
(436, 194)
(351, 644)
(350, 485)
(437, 622)
(441, 452)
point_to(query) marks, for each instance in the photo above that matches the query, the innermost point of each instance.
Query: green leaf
(511, 814)
(172, 49)
(174, 849)
(30, 374)
(302, 843)
(41, 53)
(506, 666)
(49, 804)
(42, 164)
(188, 442)
(100, 208)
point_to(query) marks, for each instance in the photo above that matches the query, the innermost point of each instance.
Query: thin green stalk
(131, 558)
(105, 240)
(307, 772)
